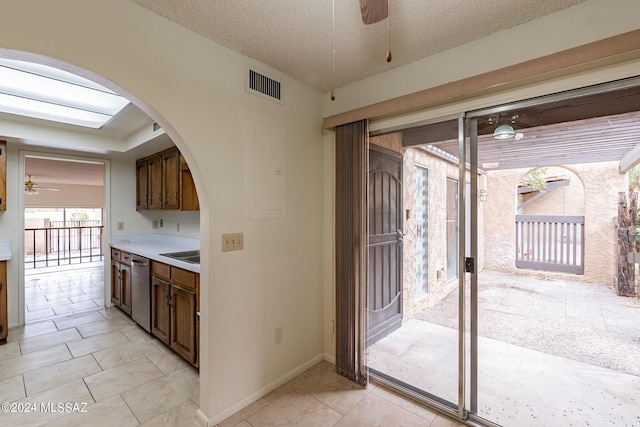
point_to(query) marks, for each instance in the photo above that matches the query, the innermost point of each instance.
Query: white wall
(195, 90)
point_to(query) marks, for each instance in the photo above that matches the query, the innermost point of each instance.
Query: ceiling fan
(31, 188)
(374, 10)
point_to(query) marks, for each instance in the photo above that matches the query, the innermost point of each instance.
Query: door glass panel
(420, 217)
(558, 341)
(421, 354)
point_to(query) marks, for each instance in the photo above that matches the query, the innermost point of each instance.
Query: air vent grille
(264, 86)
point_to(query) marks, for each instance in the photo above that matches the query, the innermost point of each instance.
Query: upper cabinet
(164, 181)
(3, 175)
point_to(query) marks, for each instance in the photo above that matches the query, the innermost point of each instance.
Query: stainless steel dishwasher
(140, 291)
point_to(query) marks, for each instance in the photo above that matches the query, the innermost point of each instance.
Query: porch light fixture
(483, 195)
(504, 132)
(47, 93)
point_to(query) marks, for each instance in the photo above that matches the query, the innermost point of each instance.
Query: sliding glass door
(413, 317)
(509, 250)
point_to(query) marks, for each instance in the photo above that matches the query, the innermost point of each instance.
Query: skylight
(42, 92)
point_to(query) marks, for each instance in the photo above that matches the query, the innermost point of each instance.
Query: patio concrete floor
(551, 352)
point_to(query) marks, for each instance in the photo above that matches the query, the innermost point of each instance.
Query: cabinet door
(115, 282)
(160, 310)
(188, 195)
(125, 288)
(3, 175)
(171, 175)
(142, 185)
(4, 319)
(154, 183)
(183, 323)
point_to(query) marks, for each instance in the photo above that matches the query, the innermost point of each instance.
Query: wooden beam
(609, 51)
(630, 159)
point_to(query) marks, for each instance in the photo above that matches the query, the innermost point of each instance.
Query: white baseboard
(211, 422)
(331, 358)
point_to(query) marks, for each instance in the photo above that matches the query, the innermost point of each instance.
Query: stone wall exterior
(600, 184)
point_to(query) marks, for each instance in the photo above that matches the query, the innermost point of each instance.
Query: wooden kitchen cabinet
(183, 323)
(189, 196)
(142, 185)
(171, 179)
(160, 309)
(164, 182)
(154, 182)
(3, 175)
(4, 318)
(121, 280)
(174, 307)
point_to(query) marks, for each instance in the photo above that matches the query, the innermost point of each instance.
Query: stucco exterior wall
(601, 183)
(439, 171)
(568, 200)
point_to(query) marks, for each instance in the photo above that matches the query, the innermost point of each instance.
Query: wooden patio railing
(550, 243)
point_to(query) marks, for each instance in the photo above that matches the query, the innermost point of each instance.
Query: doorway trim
(23, 154)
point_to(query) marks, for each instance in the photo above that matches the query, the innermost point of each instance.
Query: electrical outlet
(277, 335)
(232, 242)
(120, 225)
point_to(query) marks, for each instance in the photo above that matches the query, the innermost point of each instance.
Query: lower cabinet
(121, 280)
(174, 308)
(160, 309)
(4, 318)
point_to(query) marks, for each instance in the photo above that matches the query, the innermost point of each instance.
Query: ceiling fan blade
(374, 10)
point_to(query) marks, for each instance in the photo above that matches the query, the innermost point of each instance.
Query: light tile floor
(64, 290)
(99, 357)
(320, 397)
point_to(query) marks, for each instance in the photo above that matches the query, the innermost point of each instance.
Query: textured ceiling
(295, 36)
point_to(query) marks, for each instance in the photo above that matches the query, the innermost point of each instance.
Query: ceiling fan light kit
(31, 188)
(504, 132)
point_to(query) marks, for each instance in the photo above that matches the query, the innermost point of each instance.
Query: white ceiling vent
(264, 86)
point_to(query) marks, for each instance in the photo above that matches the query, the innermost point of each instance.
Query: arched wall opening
(555, 190)
(99, 149)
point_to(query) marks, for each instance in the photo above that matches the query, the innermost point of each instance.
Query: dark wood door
(183, 323)
(115, 282)
(384, 298)
(125, 288)
(4, 318)
(171, 179)
(3, 175)
(154, 183)
(142, 185)
(160, 309)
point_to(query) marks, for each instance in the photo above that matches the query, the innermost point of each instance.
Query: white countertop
(152, 245)
(5, 251)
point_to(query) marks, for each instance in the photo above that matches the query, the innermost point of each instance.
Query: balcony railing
(54, 246)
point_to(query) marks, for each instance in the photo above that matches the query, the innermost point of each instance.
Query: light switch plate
(232, 242)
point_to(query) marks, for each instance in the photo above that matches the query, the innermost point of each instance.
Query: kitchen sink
(192, 257)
